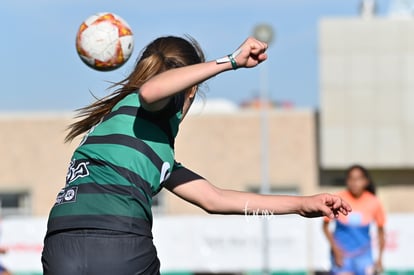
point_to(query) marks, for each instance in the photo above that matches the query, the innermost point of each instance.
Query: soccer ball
(104, 41)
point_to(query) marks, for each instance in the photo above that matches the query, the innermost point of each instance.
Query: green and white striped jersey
(120, 164)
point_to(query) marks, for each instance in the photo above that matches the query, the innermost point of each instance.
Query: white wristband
(227, 58)
(223, 60)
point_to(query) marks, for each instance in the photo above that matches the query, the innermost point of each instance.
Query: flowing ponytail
(160, 55)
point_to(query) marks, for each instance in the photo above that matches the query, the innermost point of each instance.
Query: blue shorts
(361, 264)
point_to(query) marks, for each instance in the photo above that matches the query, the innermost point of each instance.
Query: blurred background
(338, 89)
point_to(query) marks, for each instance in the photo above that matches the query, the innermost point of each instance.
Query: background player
(351, 241)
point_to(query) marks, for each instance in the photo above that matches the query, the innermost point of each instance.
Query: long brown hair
(162, 54)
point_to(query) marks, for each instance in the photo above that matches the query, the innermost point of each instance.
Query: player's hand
(251, 53)
(323, 205)
(338, 256)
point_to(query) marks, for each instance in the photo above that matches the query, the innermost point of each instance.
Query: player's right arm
(337, 253)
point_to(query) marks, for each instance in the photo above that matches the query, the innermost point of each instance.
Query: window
(381, 177)
(15, 203)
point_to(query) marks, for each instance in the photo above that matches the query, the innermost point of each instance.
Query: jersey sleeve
(177, 165)
(180, 175)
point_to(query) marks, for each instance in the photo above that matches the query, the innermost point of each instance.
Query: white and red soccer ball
(104, 41)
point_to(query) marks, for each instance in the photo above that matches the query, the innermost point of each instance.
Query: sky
(41, 70)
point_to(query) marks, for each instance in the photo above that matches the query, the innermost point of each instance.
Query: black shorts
(103, 252)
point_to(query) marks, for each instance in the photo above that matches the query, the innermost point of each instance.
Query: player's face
(356, 182)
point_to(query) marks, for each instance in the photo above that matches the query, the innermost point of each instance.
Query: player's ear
(192, 92)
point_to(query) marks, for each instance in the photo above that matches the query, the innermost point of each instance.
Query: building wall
(33, 157)
(226, 150)
(367, 92)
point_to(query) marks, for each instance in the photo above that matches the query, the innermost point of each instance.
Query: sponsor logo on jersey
(76, 171)
(67, 195)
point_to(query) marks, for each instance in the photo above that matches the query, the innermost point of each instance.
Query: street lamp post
(264, 33)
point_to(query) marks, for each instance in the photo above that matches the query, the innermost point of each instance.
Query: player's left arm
(380, 220)
(381, 247)
(197, 190)
(156, 91)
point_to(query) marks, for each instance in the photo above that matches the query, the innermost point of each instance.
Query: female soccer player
(101, 221)
(351, 241)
